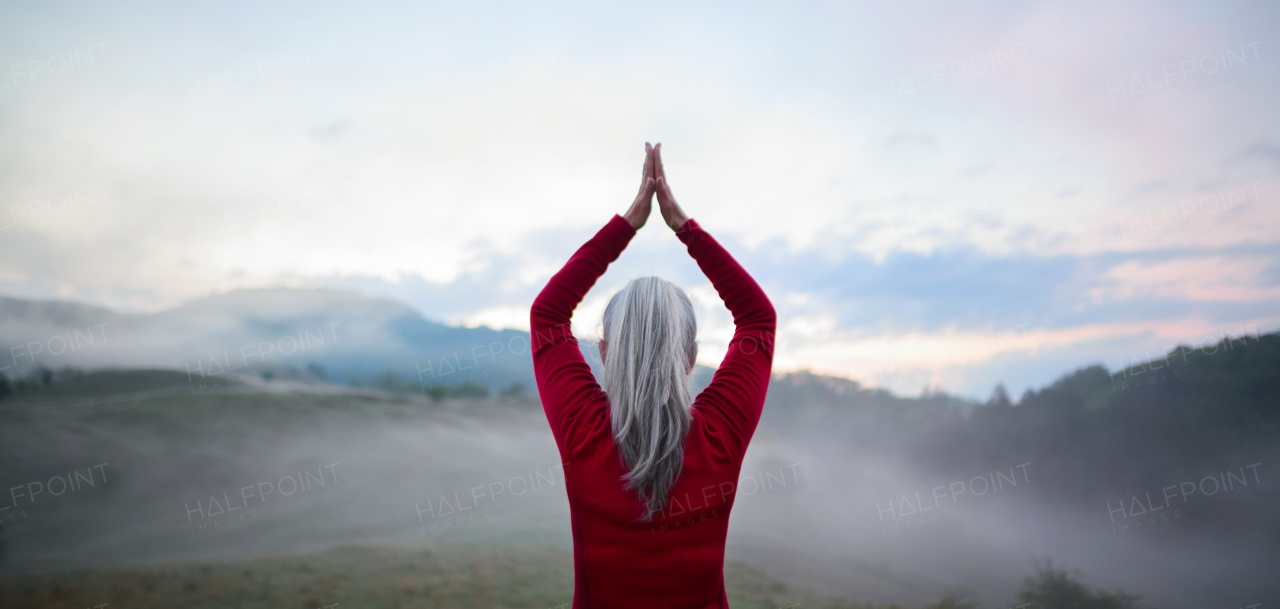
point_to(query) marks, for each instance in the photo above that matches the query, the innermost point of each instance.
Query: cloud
(1266, 150)
(1197, 279)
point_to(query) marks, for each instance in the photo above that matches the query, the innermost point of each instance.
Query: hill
(839, 491)
(334, 335)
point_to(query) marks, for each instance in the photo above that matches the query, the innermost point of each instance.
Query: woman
(650, 472)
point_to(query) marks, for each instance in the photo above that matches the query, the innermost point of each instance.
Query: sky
(935, 197)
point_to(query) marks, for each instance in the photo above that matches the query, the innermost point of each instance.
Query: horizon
(974, 399)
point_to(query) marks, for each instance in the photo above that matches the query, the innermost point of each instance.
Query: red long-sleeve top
(676, 559)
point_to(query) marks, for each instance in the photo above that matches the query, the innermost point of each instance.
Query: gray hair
(649, 333)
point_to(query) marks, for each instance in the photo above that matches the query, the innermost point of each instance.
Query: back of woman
(651, 474)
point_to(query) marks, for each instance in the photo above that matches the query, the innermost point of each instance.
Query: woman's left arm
(565, 382)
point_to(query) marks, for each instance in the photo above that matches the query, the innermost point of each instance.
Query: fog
(180, 475)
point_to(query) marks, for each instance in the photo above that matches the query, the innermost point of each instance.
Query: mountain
(344, 336)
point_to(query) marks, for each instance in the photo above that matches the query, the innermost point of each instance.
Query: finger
(657, 161)
(644, 171)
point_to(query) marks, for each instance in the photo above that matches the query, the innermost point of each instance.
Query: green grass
(352, 577)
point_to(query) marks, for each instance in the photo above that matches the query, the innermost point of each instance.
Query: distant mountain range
(342, 336)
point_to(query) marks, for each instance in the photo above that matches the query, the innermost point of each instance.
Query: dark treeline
(1203, 421)
(1205, 418)
(391, 381)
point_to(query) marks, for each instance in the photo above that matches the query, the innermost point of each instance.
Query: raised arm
(735, 397)
(565, 382)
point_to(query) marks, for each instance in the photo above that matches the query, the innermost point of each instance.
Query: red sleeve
(565, 383)
(735, 398)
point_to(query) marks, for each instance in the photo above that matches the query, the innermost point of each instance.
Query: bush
(1052, 588)
(437, 392)
(953, 598)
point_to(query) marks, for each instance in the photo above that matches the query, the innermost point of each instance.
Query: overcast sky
(932, 195)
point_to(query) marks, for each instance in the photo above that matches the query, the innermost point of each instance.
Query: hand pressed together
(653, 181)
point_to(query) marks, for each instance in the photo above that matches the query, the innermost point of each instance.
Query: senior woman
(649, 470)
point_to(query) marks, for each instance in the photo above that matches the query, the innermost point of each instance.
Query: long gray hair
(649, 334)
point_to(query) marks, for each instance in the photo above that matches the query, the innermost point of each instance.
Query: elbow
(768, 315)
(760, 316)
(762, 322)
(542, 309)
(769, 323)
(540, 316)
(534, 312)
(771, 327)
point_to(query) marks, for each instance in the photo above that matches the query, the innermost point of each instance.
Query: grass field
(356, 577)
(166, 446)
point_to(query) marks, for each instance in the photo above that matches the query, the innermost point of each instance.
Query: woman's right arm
(737, 391)
(735, 397)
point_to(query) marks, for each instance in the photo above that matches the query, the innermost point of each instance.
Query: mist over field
(1138, 477)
